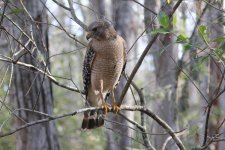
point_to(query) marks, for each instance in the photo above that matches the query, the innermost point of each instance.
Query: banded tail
(92, 120)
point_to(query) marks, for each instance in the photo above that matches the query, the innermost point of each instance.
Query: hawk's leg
(104, 105)
(115, 106)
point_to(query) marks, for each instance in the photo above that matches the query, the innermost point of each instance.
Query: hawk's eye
(94, 29)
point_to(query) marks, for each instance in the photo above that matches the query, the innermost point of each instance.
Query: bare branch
(69, 35)
(169, 138)
(143, 6)
(127, 108)
(61, 5)
(4, 9)
(211, 5)
(147, 143)
(78, 21)
(161, 122)
(146, 50)
(142, 100)
(210, 141)
(33, 68)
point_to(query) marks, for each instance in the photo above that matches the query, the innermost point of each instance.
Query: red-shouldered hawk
(103, 64)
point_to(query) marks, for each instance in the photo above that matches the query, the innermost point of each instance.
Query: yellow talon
(105, 108)
(115, 108)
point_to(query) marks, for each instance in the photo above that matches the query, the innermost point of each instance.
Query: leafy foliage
(182, 39)
(202, 31)
(164, 22)
(163, 19)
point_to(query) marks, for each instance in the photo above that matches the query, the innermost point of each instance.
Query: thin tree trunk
(32, 90)
(99, 7)
(166, 77)
(215, 68)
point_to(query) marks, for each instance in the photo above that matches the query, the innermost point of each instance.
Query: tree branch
(61, 5)
(33, 68)
(144, 6)
(78, 21)
(69, 35)
(143, 129)
(147, 111)
(161, 122)
(145, 52)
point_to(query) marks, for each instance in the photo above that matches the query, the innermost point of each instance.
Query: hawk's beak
(88, 36)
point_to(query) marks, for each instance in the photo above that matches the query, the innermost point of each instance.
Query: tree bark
(165, 72)
(215, 68)
(99, 7)
(32, 90)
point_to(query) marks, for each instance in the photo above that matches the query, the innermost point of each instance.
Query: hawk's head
(101, 30)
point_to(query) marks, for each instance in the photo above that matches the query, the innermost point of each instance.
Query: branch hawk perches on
(104, 62)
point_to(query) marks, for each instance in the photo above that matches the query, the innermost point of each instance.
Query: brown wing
(89, 57)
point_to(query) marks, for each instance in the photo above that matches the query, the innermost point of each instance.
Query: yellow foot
(115, 108)
(105, 108)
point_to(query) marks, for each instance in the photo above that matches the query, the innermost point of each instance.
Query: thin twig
(146, 50)
(62, 26)
(121, 133)
(134, 71)
(210, 141)
(142, 100)
(78, 21)
(61, 5)
(186, 74)
(169, 138)
(9, 85)
(4, 9)
(147, 143)
(211, 5)
(161, 122)
(51, 78)
(143, 6)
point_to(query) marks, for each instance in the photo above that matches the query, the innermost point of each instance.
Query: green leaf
(159, 30)
(219, 51)
(220, 39)
(164, 19)
(223, 23)
(16, 11)
(202, 31)
(219, 54)
(182, 39)
(188, 47)
(223, 57)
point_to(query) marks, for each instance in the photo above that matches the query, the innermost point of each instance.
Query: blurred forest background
(175, 62)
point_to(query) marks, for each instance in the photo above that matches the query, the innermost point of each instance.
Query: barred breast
(108, 64)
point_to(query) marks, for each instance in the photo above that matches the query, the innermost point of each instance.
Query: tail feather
(84, 123)
(92, 120)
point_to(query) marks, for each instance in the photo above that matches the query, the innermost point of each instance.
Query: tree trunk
(99, 7)
(215, 68)
(32, 90)
(165, 72)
